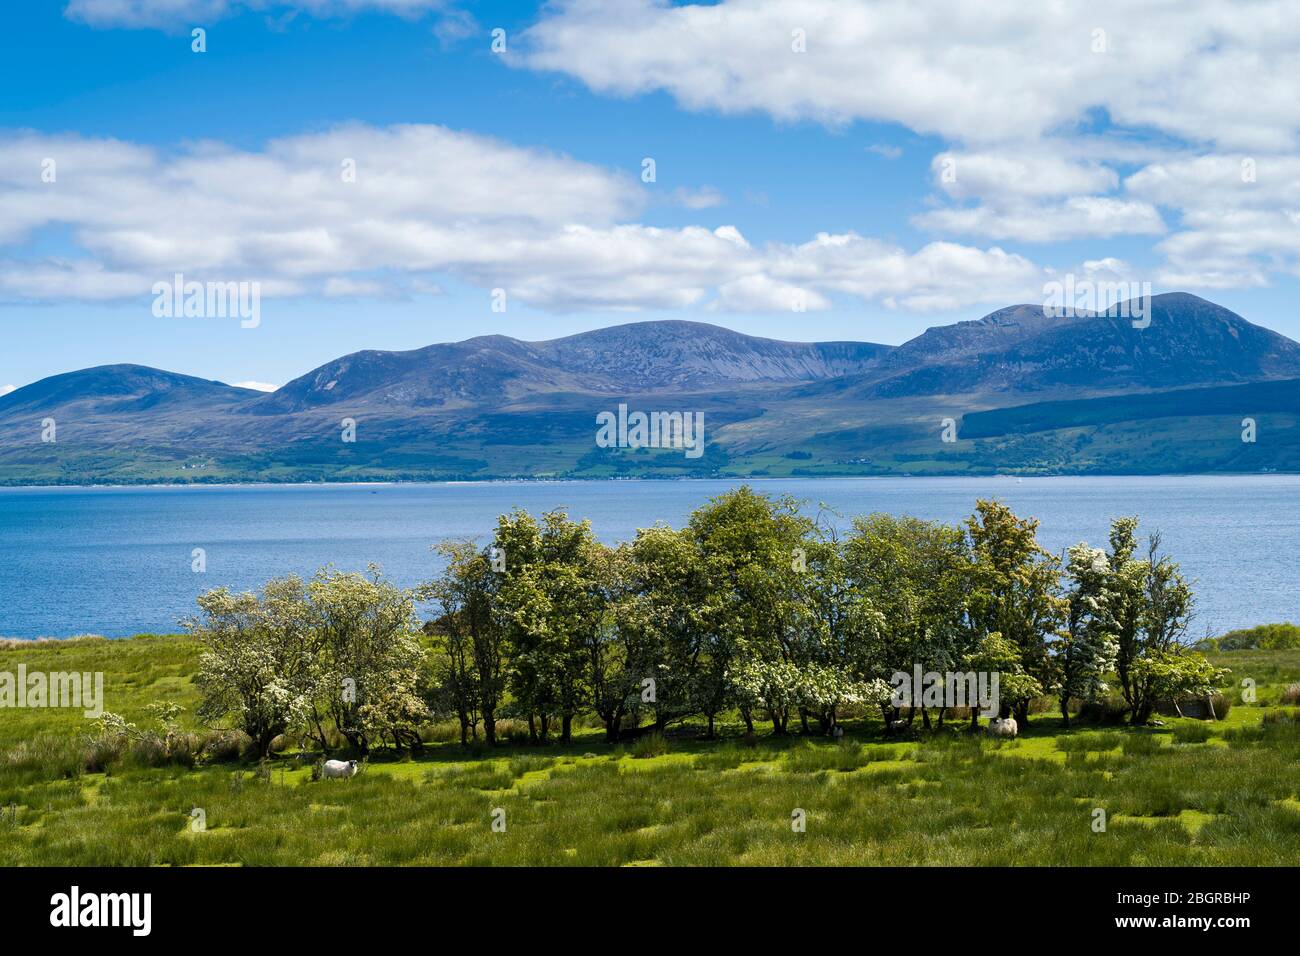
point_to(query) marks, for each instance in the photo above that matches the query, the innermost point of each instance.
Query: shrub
(1267, 637)
(222, 746)
(103, 751)
(158, 750)
(1107, 710)
(1291, 695)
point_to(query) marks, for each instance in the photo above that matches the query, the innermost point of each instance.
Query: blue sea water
(117, 561)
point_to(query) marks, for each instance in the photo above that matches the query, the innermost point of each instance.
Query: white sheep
(339, 768)
(1003, 727)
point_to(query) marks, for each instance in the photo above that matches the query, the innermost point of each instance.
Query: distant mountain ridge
(494, 406)
(640, 357)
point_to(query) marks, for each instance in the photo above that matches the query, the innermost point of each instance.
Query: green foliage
(340, 647)
(1267, 637)
(753, 606)
(1086, 650)
(1172, 674)
(1014, 593)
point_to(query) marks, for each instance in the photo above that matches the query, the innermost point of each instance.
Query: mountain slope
(122, 389)
(1188, 341)
(640, 357)
(1034, 394)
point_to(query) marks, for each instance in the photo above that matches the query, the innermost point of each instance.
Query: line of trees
(754, 607)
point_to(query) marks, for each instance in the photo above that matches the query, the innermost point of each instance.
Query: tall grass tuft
(1141, 745)
(651, 745)
(1192, 733)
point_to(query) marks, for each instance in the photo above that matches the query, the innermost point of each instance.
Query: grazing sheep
(898, 725)
(339, 768)
(1003, 727)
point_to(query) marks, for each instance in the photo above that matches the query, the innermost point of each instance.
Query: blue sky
(522, 171)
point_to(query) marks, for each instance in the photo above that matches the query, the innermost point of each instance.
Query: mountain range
(1018, 391)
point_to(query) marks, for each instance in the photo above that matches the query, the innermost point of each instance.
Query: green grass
(1188, 793)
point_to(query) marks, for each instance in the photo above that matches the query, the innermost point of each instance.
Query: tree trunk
(612, 722)
(490, 726)
(566, 728)
(711, 733)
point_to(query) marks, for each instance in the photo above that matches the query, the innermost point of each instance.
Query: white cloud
(885, 150)
(1074, 218)
(939, 276)
(178, 14)
(706, 197)
(1044, 105)
(6, 389)
(1203, 70)
(424, 202)
(1239, 217)
(968, 175)
(256, 386)
(1033, 196)
(761, 293)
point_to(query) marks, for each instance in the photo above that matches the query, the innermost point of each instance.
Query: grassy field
(1188, 793)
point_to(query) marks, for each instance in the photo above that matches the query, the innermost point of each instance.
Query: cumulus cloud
(256, 386)
(6, 389)
(1044, 105)
(366, 211)
(1239, 217)
(1034, 197)
(976, 73)
(762, 293)
(1073, 218)
(967, 175)
(939, 276)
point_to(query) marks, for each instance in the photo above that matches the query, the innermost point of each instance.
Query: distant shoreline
(159, 485)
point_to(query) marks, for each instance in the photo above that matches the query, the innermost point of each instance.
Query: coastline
(658, 479)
